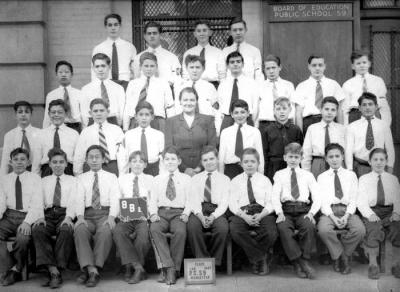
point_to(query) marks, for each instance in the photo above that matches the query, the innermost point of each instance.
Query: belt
(265, 121)
(169, 208)
(101, 208)
(318, 157)
(55, 208)
(294, 203)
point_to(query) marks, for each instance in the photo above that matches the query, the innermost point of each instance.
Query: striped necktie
(57, 193)
(135, 191)
(364, 84)
(318, 95)
(294, 185)
(171, 191)
(369, 137)
(103, 143)
(207, 188)
(143, 145)
(96, 192)
(143, 92)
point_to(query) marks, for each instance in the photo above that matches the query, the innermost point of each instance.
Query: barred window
(381, 4)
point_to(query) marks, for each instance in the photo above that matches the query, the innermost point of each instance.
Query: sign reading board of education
(310, 12)
(133, 209)
(199, 271)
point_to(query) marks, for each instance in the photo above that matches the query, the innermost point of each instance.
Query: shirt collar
(375, 174)
(14, 175)
(157, 50)
(339, 170)
(315, 80)
(364, 119)
(97, 81)
(61, 176)
(111, 41)
(237, 125)
(105, 123)
(26, 129)
(280, 126)
(270, 81)
(98, 172)
(60, 127)
(361, 76)
(296, 169)
(68, 87)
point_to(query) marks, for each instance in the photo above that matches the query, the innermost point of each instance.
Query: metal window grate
(380, 4)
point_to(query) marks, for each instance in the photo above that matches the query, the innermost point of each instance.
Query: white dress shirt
(154, 139)
(75, 97)
(90, 136)
(353, 89)
(356, 136)
(368, 192)
(159, 95)
(68, 140)
(262, 189)
(219, 192)
(304, 96)
(284, 88)
(109, 192)
(214, 62)
(32, 202)
(248, 91)
(69, 188)
(282, 191)
(251, 138)
(326, 185)
(159, 198)
(252, 60)
(126, 52)
(12, 140)
(116, 95)
(169, 67)
(314, 142)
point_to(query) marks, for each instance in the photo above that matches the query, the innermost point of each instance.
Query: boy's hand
(154, 218)
(184, 218)
(337, 221)
(24, 229)
(395, 217)
(310, 217)
(210, 220)
(280, 218)
(110, 221)
(374, 218)
(68, 221)
(79, 222)
(39, 221)
(257, 217)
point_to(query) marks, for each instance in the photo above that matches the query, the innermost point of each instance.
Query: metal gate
(178, 17)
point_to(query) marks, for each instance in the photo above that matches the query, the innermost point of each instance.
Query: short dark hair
(294, 148)
(113, 15)
(202, 21)
(101, 56)
(367, 95)
(152, 24)
(59, 102)
(273, 58)
(250, 151)
(55, 152)
(66, 63)
(239, 103)
(137, 153)
(237, 20)
(234, 54)
(193, 59)
(330, 99)
(146, 105)
(376, 151)
(98, 101)
(171, 150)
(207, 149)
(96, 147)
(332, 146)
(19, 150)
(358, 54)
(24, 103)
(312, 57)
(147, 56)
(188, 90)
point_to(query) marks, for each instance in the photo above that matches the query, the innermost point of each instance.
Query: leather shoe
(346, 269)
(138, 276)
(11, 277)
(128, 272)
(307, 268)
(171, 276)
(263, 268)
(396, 270)
(161, 278)
(373, 272)
(83, 277)
(93, 280)
(336, 265)
(55, 281)
(324, 259)
(299, 271)
(254, 268)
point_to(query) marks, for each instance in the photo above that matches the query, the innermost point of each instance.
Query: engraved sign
(199, 271)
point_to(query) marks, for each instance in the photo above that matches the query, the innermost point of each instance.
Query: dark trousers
(45, 170)
(376, 230)
(47, 253)
(228, 121)
(219, 232)
(132, 251)
(232, 170)
(309, 120)
(306, 233)
(171, 255)
(111, 166)
(272, 165)
(255, 247)
(152, 168)
(8, 228)
(360, 166)
(111, 120)
(95, 234)
(76, 126)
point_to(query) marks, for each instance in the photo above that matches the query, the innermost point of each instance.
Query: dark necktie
(143, 145)
(67, 101)
(381, 193)
(18, 194)
(327, 138)
(250, 192)
(135, 192)
(318, 95)
(24, 141)
(103, 143)
(203, 54)
(56, 139)
(239, 142)
(96, 192)
(294, 186)
(114, 63)
(364, 84)
(207, 188)
(104, 93)
(197, 103)
(235, 92)
(238, 47)
(57, 194)
(338, 186)
(143, 92)
(369, 137)
(171, 192)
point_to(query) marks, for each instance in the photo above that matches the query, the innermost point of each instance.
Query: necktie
(103, 143)
(104, 94)
(327, 138)
(56, 139)
(207, 188)
(381, 193)
(143, 92)
(364, 84)
(135, 192)
(369, 138)
(96, 192)
(114, 63)
(250, 192)
(67, 102)
(203, 54)
(318, 95)
(143, 145)
(24, 141)
(338, 186)
(294, 186)
(57, 194)
(238, 47)
(197, 103)
(171, 192)
(18, 194)
(274, 90)
(239, 142)
(235, 91)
